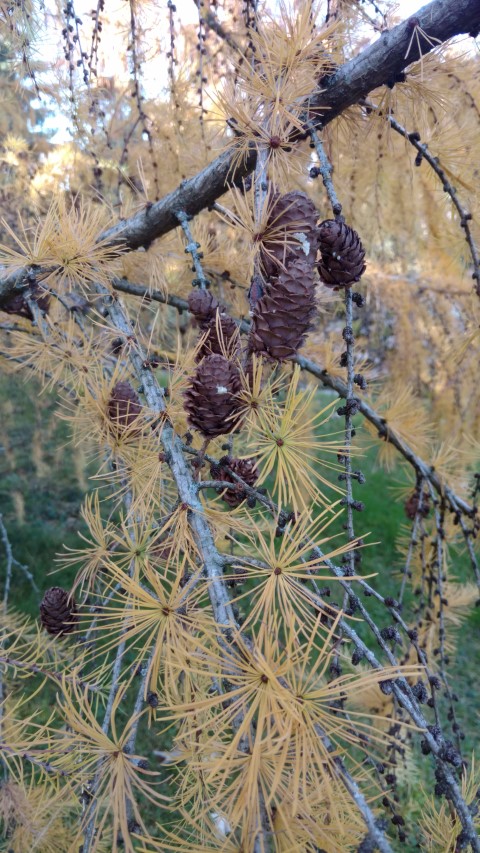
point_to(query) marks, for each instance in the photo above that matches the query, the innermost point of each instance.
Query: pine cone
(58, 611)
(283, 315)
(210, 401)
(411, 505)
(17, 304)
(221, 329)
(342, 253)
(203, 305)
(244, 468)
(292, 214)
(124, 405)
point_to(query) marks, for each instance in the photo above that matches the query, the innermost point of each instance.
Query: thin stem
(192, 247)
(9, 563)
(413, 539)
(434, 163)
(326, 170)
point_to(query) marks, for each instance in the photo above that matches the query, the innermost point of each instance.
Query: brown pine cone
(124, 405)
(342, 260)
(17, 303)
(210, 401)
(58, 611)
(292, 216)
(244, 468)
(220, 329)
(283, 315)
(411, 505)
(203, 305)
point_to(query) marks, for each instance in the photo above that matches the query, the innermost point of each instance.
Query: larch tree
(253, 262)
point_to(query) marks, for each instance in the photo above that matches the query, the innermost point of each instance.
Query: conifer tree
(255, 264)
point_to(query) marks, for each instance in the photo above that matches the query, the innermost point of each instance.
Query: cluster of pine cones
(282, 300)
(282, 316)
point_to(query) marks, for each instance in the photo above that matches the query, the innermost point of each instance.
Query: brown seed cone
(283, 315)
(58, 611)
(203, 305)
(244, 468)
(221, 329)
(17, 304)
(124, 405)
(210, 401)
(411, 505)
(292, 214)
(342, 260)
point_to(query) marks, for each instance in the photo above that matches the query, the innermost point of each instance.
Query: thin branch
(434, 163)
(423, 468)
(45, 766)
(57, 677)
(192, 248)
(325, 169)
(406, 698)
(11, 561)
(214, 24)
(9, 564)
(419, 512)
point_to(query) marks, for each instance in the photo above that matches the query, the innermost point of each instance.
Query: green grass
(40, 491)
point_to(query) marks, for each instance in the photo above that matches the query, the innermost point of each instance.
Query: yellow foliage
(205, 628)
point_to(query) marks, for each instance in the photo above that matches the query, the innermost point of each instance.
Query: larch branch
(456, 503)
(373, 67)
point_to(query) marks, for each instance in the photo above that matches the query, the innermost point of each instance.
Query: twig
(45, 766)
(11, 561)
(434, 163)
(406, 698)
(192, 247)
(419, 465)
(56, 677)
(325, 169)
(89, 819)
(212, 21)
